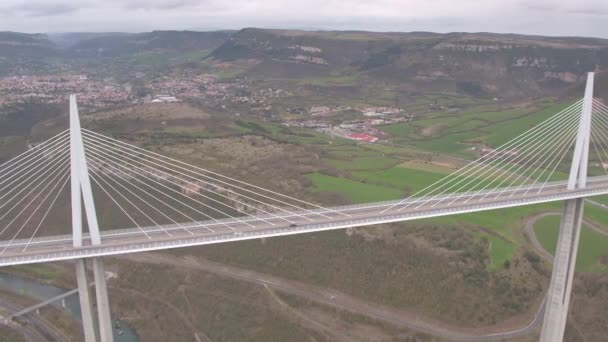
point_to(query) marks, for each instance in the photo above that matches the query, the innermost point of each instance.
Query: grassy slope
(183, 303)
(399, 177)
(357, 192)
(8, 334)
(593, 246)
(384, 265)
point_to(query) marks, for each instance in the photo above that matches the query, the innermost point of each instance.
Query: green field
(410, 180)
(593, 248)
(403, 129)
(338, 80)
(364, 163)
(501, 251)
(357, 192)
(503, 132)
(449, 134)
(596, 214)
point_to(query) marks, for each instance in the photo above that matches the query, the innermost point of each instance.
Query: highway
(37, 329)
(55, 248)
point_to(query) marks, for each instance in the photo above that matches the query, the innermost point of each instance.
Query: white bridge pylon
(560, 287)
(149, 201)
(81, 191)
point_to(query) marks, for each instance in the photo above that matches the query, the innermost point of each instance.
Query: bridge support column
(103, 301)
(82, 193)
(560, 287)
(86, 307)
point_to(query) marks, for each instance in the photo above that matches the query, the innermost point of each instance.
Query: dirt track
(529, 230)
(342, 301)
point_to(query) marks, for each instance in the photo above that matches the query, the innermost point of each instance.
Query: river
(33, 289)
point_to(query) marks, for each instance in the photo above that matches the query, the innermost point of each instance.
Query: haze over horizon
(539, 17)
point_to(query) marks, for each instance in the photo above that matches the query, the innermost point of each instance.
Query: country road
(37, 329)
(342, 301)
(529, 230)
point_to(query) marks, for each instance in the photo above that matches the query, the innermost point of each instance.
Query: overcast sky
(544, 17)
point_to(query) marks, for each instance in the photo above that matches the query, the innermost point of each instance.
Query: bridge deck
(55, 248)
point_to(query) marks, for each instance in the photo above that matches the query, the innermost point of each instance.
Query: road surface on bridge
(245, 228)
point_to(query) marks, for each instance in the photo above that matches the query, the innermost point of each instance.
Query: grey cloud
(589, 11)
(540, 6)
(33, 9)
(589, 7)
(161, 4)
(583, 17)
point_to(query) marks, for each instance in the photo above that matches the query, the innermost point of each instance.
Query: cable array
(599, 134)
(30, 186)
(153, 190)
(162, 197)
(526, 163)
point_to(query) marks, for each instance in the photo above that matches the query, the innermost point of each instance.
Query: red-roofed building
(364, 137)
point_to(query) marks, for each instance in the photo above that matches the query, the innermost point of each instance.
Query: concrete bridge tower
(81, 192)
(560, 287)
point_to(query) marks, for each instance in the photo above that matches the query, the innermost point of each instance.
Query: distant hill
(14, 44)
(483, 65)
(479, 64)
(26, 54)
(124, 44)
(66, 40)
(107, 44)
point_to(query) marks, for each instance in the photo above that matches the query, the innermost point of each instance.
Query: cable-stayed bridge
(133, 199)
(149, 238)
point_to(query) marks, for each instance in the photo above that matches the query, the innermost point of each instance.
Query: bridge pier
(86, 306)
(560, 287)
(103, 301)
(81, 193)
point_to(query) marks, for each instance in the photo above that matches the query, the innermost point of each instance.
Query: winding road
(529, 230)
(341, 301)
